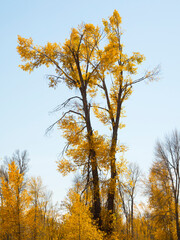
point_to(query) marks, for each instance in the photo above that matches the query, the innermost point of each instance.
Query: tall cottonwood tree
(72, 66)
(122, 68)
(84, 64)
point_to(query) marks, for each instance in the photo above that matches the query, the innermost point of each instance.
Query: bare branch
(60, 119)
(152, 75)
(102, 108)
(65, 103)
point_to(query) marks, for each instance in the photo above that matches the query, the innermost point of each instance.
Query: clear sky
(150, 27)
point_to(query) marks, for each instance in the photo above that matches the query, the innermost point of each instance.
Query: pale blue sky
(150, 27)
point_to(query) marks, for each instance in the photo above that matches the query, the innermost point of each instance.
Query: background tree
(14, 202)
(166, 170)
(34, 214)
(14, 198)
(143, 224)
(26, 209)
(161, 202)
(21, 159)
(127, 189)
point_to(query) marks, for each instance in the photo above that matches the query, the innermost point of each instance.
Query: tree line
(27, 212)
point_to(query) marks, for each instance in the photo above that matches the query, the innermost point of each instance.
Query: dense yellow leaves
(78, 147)
(25, 208)
(35, 56)
(14, 202)
(101, 114)
(71, 130)
(65, 166)
(121, 166)
(77, 223)
(115, 19)
(161, 202)
(114, 22)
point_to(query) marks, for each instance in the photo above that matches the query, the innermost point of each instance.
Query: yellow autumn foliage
(78, 223)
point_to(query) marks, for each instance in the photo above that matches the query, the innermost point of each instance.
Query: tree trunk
(93, 161)
(111, 193)
(35, 220)
(132, 218)
(177, 220)
(18, 216)
(96, 191)
(112, 187)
